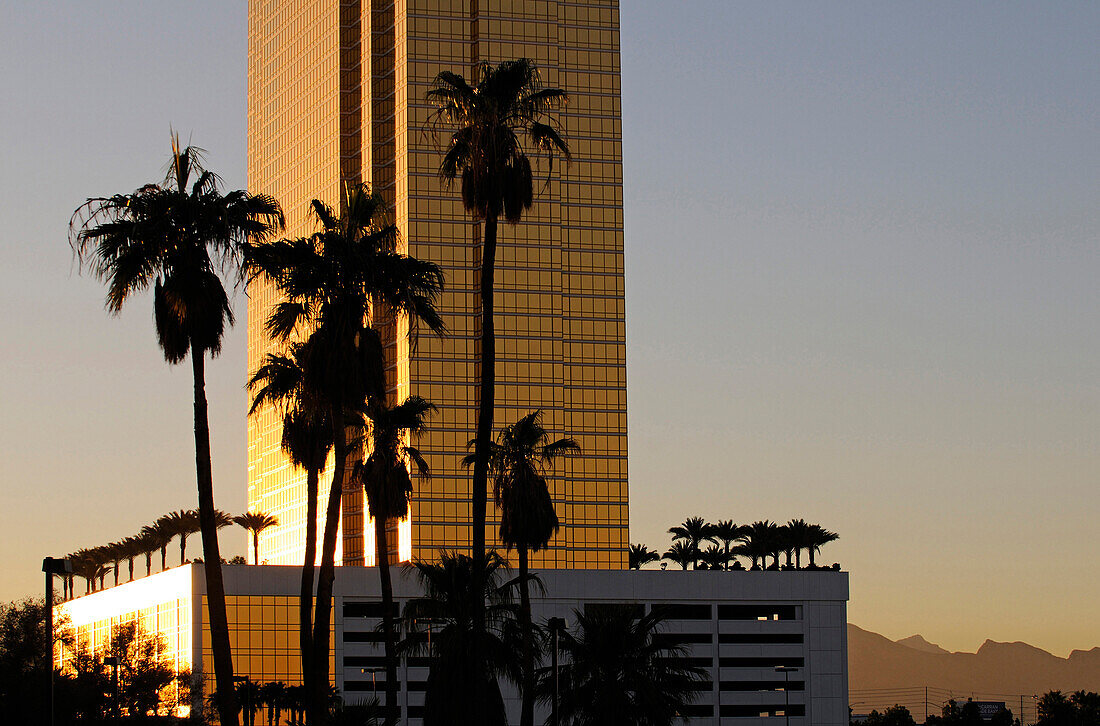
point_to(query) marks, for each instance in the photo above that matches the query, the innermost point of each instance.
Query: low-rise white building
(739, 626)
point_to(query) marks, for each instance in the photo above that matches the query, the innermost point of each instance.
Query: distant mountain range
(876, 662)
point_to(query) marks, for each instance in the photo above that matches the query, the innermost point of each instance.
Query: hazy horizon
(861, 260)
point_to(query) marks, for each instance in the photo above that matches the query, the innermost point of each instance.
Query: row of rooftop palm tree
(337, 288)
(93, 564)
(756, 542)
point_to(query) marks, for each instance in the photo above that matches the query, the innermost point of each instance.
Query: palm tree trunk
(164, 558)
(527, 711)
(305, 597)
(183, 548)
(810, 550)
(317, 697)
(483, 437)
(255, 547)
(130, 566)
(212, 561)
(382, 559)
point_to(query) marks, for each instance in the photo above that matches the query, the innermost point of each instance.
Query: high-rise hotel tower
(336, 93)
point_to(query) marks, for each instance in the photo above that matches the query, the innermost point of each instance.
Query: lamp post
(112, 660)
(52, 566)
(556, 625)
(786, 671)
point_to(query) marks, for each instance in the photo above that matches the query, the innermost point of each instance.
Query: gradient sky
(861, 289)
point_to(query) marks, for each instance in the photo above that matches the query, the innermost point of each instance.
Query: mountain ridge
(876, 662)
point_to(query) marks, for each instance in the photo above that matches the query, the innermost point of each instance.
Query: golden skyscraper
(336, 92)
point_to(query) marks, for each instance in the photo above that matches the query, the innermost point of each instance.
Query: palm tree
(173, 237)
(693, 531)
(256, 522)
(132, 548)
(159, 535)
(619, 673)
(818, 537)
(386, 481)
(448, 607)
(762, 540)
(273, 694)
(331, 283)
(682, 554)
(715, 558)
(181, 523)
(518, 460)
(727, 533)
(640, 555)
(87, 565)
(307, 440)
(798, 535)
(116, 553)
(497, 121)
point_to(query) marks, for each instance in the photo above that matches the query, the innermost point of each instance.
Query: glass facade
(337, 93)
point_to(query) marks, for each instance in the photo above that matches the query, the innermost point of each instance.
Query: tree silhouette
(282, 381)
(497, 121)
(330, 283)
(640, 555)
(254, 523)
(385, 479)
(818, 537)
(618, 673)
(518, 460)
(173, 237)
(682, 554)
(693, 531)
(448, 609)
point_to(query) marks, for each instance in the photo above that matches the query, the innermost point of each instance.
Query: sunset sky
(862, 251)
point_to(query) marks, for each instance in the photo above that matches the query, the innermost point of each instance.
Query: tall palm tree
(693, 531)
(448, 608)
(518, 460)
(617, 672)
(87, 565)
(640, 555)
(819, 536)
(385, 479)
(727, 534)
(497, 122)
(174, 237)
(116, 553)
(307, 440)
(798, 533)
(256, 522)
(682, 554)
(332, 282)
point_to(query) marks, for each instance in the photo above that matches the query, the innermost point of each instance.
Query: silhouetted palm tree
(727, 534)
(448, 609)
(762, 539)
(86, 564)
(173, 238)
(798, 535)
(181, 523)
(715, 558)
(115, 553)
(617, 672)
(158, 535)
(497, 122)
(693, 531)
(640, 555)
(682, 554)
(331, 282)
(386, 481)
(819, 536)
(307, 440)
(254, 523)
(518, 460)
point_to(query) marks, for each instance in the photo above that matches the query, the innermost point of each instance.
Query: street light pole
(786, 671)
(52, 566)
(556, 625)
